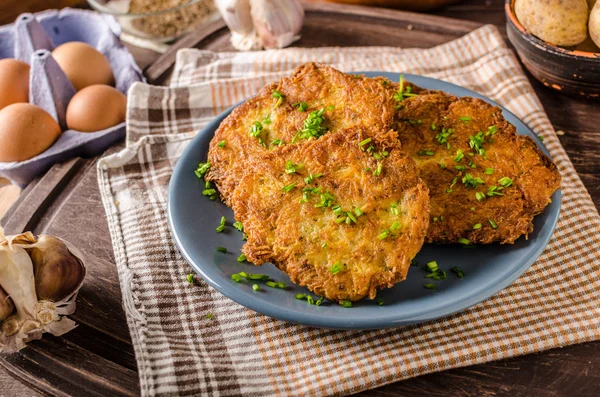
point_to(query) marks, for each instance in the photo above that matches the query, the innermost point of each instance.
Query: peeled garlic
(58, 272)
(255, 24)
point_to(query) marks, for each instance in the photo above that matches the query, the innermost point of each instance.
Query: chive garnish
(489, 171)
(255, 287)
(459, 155)
(222, 249)
(383, 234)
(494, 225)
(494, 191)
(476, 143)
(464, 241)
(324, 245)
(395, 226)
(379, 301)
(221, 226)
(279, 96)
(429, 286)
(425, 152)
(300, 296)
(291, 168)
(459, 272)
(310, 300)
(241, 258)
(377, 172)
(470, 181)
(222, 143)
(289, 187)
(277, 142)
(202, 169)
(465, 119)
(443, 136)
(346, 303)
(313, 127)
(492, 129)
(190, 278)
(459, 167)
(335, 269)
(256, 129)
(479, 196)
(319, 301)
(238, 225)
(302, 106)
(477, 226)
(361, 144)
(505, 182)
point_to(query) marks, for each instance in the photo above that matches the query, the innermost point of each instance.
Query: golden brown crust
(290, 233)
(455, 210)
(347, 102)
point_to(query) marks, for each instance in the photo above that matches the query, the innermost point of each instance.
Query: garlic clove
(58, 273)
(236, 14)
(7, 306)
(277, 22)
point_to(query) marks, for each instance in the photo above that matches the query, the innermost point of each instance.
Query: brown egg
(25, 131)
(14, 82)
(83, 64)
(95, 108)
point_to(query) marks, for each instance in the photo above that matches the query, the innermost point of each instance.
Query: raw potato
(559, 22)
(594, 24)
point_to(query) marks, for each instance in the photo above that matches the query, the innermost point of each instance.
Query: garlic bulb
(255, 24)
(7, 306)
(277, 22)
(59, 273)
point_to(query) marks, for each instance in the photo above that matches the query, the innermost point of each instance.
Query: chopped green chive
(432, 266)
(302, 106)
(459, 272)
(505, 182)
(313, 126)
(202, 169)
(291, 168)
(239, 226)
(190, 278)
(494, 191)
(395, 226)
(489, 171)
(464, 241)
(465, 119)
(236, 277)
(267, 119)
(476, 143)
(221, 226)
(310, 300)
(363, 143)
(289, 187)
(492, 129)
(433, 127)
(394, 209)
(222, 143)
(222, 249)
(319, 301)
(443, 166)
(479, 196)
(277, 142)
(477, 226)
(379, 301)
(279, 96)
(425, 152)
(209, 192)
(255, 287)
(209, 316)
(274, 284)
(383, 235)
(494, 225)
(459, 155)
(346, 303)
(469, 181)
(377, 172)
(443, 136)
(335, 269)
(256, 129)
(541, 138)
(241, 258)
(300, 296)
(459, 167)
(324, 245)
(330, 108)
(358, 212)
(429, 286)
(472, 208)
(414, 263)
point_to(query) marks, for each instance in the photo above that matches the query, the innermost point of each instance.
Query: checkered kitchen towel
(239, 352)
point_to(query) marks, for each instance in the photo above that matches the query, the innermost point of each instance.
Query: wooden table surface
(573, 370)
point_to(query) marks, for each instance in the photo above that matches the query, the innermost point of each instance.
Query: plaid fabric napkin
(238, 352)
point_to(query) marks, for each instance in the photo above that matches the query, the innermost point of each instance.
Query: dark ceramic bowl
(574, 71)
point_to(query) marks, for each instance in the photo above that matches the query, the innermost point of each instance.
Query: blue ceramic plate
(488, 268)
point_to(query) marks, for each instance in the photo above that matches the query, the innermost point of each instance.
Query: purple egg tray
(31, 39)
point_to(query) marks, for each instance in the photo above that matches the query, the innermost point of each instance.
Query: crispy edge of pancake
(535, 177)
(282, 230)
(355, 101)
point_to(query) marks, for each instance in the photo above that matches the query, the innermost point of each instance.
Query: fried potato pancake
(486, 182)
(338, 217)
(277, 117)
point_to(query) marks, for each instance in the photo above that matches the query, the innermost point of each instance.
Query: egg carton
(31, 39)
